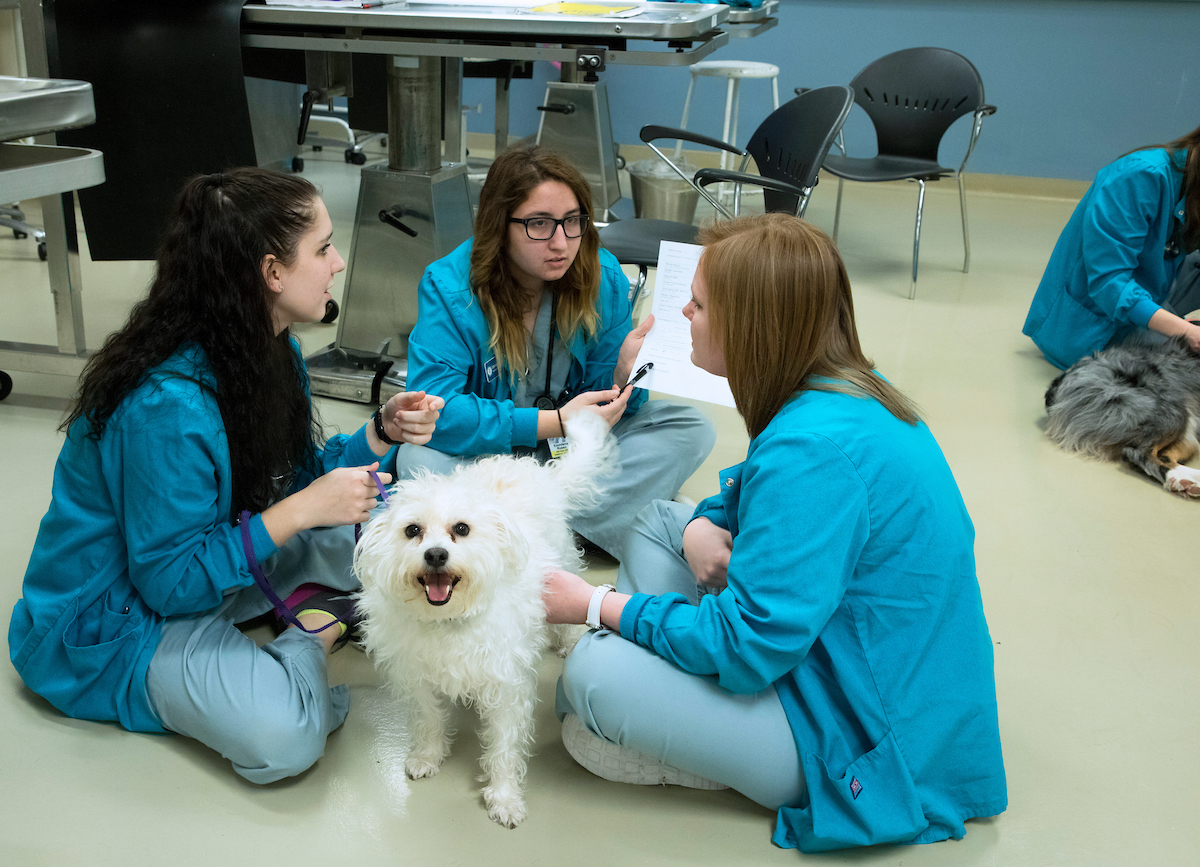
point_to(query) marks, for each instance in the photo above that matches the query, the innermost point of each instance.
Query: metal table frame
(669, 35)
(62, 243)
(366, 366)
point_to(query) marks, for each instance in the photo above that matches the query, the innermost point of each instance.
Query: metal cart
(31, 107)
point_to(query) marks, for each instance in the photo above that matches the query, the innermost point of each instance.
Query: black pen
(641, 371)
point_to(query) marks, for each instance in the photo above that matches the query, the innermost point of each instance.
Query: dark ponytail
(209, 291)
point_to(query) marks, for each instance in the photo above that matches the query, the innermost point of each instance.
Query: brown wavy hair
(1189, 143)
(781, 309)
(513, 176)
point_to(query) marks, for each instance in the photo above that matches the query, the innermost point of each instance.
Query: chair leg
(687, 105)
(837, 212)
(962, 201)
(635, 290)
(802, 202)
(912, 290)
(730, 96)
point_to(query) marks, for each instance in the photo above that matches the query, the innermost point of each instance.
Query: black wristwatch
(379, 431)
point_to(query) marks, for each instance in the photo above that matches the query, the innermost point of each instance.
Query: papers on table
(336, 4)
(669, 343)
(590, 10)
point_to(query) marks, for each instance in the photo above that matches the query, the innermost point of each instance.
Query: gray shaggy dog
(1139, 404)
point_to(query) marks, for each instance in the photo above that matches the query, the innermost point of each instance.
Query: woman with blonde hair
(530, 322)
(813, 635)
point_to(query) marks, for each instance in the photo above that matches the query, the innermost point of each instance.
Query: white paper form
(669, 343)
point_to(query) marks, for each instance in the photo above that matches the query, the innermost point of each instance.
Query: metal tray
(33, 171)
(31, 106)
(468, 19)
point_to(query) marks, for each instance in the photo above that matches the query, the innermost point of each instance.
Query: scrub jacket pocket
(874, 802)
(99, 636)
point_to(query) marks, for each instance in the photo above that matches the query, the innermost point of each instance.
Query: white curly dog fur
(452, 574)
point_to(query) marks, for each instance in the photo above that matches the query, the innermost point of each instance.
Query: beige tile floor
(1093, 606)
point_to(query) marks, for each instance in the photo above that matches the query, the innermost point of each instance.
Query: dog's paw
(1183, 480)
(505, 806)
(420, 766)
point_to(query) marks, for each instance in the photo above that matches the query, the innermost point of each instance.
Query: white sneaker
(620, 764)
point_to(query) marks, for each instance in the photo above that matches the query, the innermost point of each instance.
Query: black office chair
(912, 97)
(787, 149)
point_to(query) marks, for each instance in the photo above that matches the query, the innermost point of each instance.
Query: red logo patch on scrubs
(855, 787)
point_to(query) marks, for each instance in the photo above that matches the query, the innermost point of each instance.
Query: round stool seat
(735, 68)
(733, 71)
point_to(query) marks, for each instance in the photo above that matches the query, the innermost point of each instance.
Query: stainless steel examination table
(30, 107)
(417, 209)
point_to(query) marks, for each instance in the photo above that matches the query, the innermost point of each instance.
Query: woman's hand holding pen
(608, 404)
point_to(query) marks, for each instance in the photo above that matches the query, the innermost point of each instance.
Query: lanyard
(544, 400)
(285, 613)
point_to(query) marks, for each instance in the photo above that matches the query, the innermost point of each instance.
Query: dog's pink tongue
(437, 587)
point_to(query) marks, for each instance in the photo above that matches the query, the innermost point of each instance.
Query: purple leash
(382, 493)
(285, 613)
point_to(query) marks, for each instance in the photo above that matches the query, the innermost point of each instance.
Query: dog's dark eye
(461, 529)
(412, 531)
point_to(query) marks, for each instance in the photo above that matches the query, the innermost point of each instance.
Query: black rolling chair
(787, 148)
(912, 97)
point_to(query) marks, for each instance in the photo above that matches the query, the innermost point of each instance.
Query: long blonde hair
(510, 181)
(780, 306)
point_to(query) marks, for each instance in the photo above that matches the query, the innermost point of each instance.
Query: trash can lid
(657, 168)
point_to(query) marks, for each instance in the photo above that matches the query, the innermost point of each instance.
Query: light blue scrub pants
(268, 710)
(631, 696)
(659, 446)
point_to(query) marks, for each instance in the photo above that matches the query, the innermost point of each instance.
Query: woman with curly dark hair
(1126, 267)
(530, 322)
(193, 415)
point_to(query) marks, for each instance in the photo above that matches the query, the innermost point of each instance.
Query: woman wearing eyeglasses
(529, 323)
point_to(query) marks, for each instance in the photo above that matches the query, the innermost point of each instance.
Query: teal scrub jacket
(449, 355)
(852, 590)
(139, 530)
(1111, 268)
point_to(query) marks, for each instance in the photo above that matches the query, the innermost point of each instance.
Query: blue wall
(1076, 82)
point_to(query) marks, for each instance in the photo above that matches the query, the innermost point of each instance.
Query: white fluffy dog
(452, 576)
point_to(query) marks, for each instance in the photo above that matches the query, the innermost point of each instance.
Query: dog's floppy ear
(375, 560)
(513, 545)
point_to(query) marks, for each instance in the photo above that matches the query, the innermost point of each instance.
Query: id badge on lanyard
(558, 445)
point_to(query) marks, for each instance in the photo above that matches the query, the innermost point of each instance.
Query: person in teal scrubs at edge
(813, 636)
(1126, 268)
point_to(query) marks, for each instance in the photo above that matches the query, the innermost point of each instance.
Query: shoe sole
(620, 764)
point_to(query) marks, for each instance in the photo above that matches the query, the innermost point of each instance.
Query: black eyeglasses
(543, 228)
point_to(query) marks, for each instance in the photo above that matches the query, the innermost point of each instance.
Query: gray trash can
(660, 194)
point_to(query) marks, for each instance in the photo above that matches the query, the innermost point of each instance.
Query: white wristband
(593, 615)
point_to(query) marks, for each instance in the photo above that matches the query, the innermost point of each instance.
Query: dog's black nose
(436, 557)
